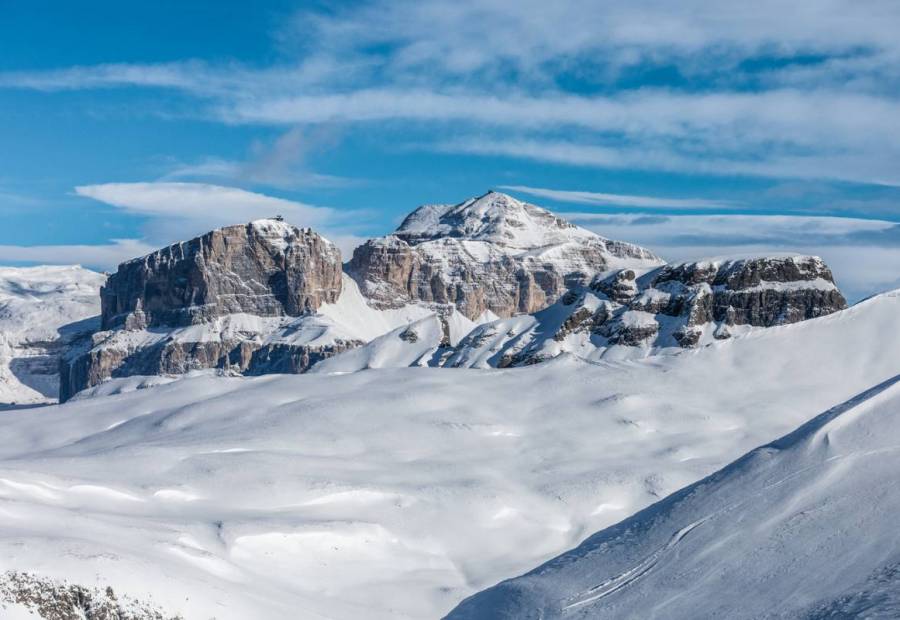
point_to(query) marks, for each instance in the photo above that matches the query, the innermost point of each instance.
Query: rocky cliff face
(684, 305)
(491, 253)
(265, 268)
(264, 349)
(757, 291)
(240, 298)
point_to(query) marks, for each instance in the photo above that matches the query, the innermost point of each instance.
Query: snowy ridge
(801, 527)
(418, 344)
(494, 218)
(396, 493)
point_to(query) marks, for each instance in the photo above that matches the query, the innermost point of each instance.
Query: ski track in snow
(630, 576)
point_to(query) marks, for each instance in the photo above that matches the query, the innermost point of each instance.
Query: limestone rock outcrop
(264, 268)
(240, 299)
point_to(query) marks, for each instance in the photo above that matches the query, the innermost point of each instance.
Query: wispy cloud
(621, 200)
(282, 163)
(793, 90)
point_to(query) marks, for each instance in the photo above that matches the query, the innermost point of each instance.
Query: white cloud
(535, 37)
(620, 200)
(877, 166)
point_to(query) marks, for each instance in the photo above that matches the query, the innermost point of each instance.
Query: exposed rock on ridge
(684, 305)
(491, 253)
(119, 353)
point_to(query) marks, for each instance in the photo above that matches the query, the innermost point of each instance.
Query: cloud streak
(620, 200)
(211, 204)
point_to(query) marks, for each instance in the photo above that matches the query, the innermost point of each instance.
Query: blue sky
(697, 128)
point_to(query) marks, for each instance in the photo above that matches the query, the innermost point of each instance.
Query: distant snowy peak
(41, 310)
(504, 222)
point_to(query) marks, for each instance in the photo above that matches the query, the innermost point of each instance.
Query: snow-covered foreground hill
(396, 493)
(805, 527)
(35, 302)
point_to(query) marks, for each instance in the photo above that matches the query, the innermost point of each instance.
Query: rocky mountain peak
(490, 253)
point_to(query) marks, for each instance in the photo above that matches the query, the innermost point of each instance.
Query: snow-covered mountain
(258, 298)
(804, 527)
(396, 493)
(41, 310)
(491, 254)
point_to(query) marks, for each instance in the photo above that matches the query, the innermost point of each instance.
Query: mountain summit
(492, 218)
(492, 254)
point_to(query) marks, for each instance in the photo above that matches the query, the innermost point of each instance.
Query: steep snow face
(804, 527)
(40, 308)
(488, 253)
(396, 493)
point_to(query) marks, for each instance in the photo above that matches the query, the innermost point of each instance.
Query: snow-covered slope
(396, 493)
(35, 302)
(505, 225)
(420, 343)
(804, 527)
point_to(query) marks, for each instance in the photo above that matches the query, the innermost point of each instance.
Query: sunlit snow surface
(804, 527)
(396, 493)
